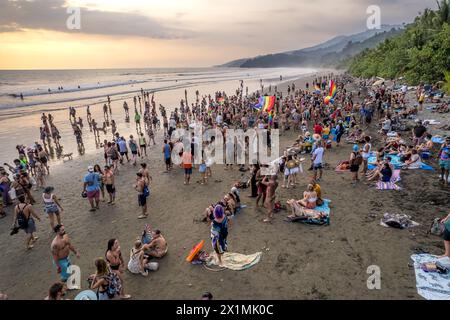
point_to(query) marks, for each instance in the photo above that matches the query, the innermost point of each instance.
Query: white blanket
(430, 285)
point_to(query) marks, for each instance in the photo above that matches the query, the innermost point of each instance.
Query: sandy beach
(298, 261)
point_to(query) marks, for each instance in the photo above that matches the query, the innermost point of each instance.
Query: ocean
(55, 90)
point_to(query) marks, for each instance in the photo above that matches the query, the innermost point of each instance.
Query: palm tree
(443, 11)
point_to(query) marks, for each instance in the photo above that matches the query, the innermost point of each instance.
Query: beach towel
(235, 261)
(340, 170)
(430, 285)
(431, 122)
(438, 139)
(387, 186)
(324, 208)
(396, 163)
(399, 221)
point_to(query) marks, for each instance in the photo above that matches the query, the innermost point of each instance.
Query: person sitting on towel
(427, 145)
(318, 190)
(384, 174)
(414, 162)
(309, 198)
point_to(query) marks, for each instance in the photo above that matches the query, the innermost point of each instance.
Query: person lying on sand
(299, 211)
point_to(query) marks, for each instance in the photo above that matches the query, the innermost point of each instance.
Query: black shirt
(419, 131)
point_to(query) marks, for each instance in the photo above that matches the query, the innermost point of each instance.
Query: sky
(177, 33)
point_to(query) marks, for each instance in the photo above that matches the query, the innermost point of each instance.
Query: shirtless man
(25, 213)
(142, 199)
(145, 173)
(158, 247)
(272, 186)
(61, 248)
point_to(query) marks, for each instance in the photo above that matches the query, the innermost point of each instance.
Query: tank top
(367, 154)
(49, 203)
(141, 141)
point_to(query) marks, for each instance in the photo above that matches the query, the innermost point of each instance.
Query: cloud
(17, 15)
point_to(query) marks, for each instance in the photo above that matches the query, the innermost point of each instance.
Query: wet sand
(298, 261)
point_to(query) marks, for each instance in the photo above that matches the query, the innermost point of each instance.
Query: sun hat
(86, 295)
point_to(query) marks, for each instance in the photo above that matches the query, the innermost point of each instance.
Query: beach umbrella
(86, 295)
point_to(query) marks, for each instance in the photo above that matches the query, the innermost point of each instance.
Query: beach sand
(298, 261)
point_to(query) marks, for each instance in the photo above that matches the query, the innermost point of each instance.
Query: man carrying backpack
(143, 190)
(91, 188)
(356, 159)
(24, 215)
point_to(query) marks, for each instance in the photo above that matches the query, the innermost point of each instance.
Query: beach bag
(146, 191)
(437, 228)
(22, 220)
(358, 160)
(114, 285)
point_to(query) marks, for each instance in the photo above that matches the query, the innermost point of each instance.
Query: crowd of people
(320, 128)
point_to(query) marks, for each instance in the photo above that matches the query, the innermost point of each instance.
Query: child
(203, 171)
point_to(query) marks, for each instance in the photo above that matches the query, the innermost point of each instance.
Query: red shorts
(94, 194)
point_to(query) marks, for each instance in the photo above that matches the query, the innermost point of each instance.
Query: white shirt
(318, 153)
(387, 125)
(219, 119)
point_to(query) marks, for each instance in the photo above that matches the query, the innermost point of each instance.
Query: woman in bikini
(309, 200)
(116, 263)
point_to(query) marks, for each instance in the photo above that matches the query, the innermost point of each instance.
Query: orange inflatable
(195, 250)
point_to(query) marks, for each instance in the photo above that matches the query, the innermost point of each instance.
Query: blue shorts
(64, 264)
(444, 164)
(187, 170)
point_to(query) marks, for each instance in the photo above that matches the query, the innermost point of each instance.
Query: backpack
(146, 191)
(114, 285)
(437, 228)
(22, 220)
(358, 160)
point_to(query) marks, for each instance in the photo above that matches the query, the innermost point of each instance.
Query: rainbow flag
(265, 103)
(260, 104)
(221, 100)
(333, 89)
(269, 103)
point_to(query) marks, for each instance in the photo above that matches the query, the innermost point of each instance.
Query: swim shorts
(142, 200)
(317, 166)
(93, 194)
(444, 164)
(188, 171)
